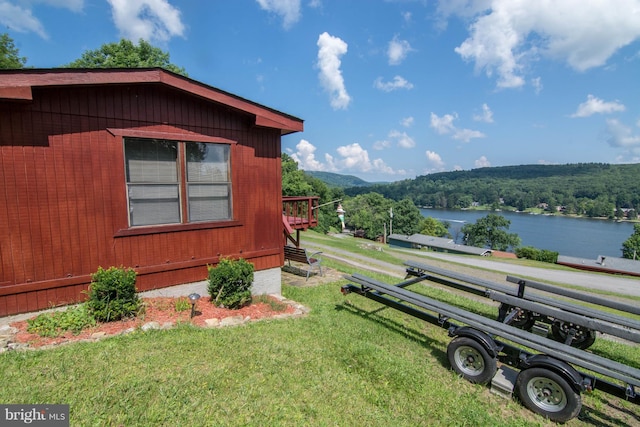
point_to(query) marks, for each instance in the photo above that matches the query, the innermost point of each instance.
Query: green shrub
(112, 294)
(53, 324)
(548, 256)
(528, 252)
(230, 282)
(535, 254)
(182, 304)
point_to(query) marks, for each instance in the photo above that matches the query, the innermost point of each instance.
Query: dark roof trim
(17, 85)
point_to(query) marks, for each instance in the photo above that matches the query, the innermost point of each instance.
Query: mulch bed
(160, 310)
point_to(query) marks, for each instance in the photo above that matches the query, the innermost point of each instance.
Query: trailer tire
(547, 393)
(471, 359)
(584, 337)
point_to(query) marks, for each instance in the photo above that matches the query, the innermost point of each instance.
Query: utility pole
(391, 220)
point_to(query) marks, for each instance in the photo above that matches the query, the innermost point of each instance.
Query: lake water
(577, 237)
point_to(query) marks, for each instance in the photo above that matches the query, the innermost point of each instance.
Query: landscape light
(193, 298)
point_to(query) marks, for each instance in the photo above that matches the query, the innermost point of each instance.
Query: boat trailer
(549, 381)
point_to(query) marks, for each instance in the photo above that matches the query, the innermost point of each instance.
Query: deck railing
(301, 211)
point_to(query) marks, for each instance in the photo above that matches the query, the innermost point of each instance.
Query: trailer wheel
(523, 320)
(548, 394)
(470, 359)
(584, 337)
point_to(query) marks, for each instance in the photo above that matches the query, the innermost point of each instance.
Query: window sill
(174, 228)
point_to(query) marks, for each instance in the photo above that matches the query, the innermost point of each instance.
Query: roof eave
(18, 84)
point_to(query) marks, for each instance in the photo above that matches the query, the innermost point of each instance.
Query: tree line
(588, 189)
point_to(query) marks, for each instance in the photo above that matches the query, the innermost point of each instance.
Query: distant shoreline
(558, 214)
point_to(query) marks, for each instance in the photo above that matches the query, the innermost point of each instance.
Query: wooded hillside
(592, 189)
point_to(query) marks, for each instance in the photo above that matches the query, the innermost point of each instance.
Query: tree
(489, 232)
(368, 212)
(631, 246)
(432, 227)
(293, 180)
(126, 55)
(406, 217)
(9, 55)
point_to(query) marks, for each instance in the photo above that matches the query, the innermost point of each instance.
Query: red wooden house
(139, 168)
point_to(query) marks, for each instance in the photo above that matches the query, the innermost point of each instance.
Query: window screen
(208, 182)
(155, 188)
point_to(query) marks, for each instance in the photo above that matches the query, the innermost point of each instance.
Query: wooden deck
(298, 213)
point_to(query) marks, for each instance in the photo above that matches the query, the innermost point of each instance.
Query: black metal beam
(580, 296)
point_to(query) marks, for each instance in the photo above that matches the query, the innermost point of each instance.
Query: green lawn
(350, 362)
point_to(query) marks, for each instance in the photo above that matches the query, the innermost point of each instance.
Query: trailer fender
(481, 337)
(573, 377)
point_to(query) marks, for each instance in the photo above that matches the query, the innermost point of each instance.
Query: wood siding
(63, 204)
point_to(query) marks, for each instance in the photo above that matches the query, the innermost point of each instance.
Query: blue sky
(389, 89)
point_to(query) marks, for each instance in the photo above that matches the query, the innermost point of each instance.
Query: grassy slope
(350, 362)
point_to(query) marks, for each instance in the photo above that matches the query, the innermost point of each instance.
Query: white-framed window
(177, 182)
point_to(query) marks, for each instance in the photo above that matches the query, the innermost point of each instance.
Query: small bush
(230, 282)
(112, 294)
(535, 254)
(73, 319)
(182, 304)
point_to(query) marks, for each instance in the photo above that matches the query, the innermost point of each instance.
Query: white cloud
(622, 136)
(151, 20)
(506, 34)
(398, 82)
(486, 116)
(398, 50)
(537, 85)
(466, 135)
(289, 10)
(350, 158)
(435, 161)
(20, 17)
(595, 105)
(407, 122)
(305, 156)
(402, 139)
(382, 145)
(444, 125)
(330, 49)
(356, 158)
(482, 162)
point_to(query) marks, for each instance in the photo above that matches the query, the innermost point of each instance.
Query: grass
(338, 366)
(349, 362)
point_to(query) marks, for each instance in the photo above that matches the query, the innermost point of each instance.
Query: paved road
(597, 281)
(589, 280)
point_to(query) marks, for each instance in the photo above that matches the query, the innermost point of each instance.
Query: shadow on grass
(608, 413)
(414, 335)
